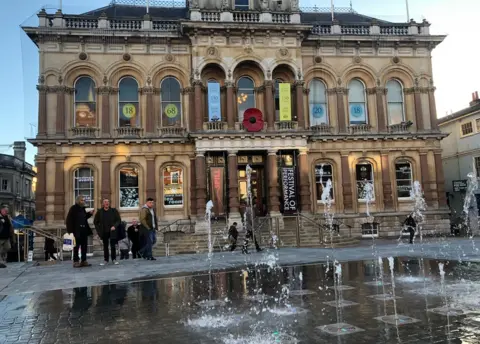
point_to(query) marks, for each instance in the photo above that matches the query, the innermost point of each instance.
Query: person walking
(106, 222)
(411, 225)
(149, 225)
(134, 235)
(7, 236)
(233, 236)
(77, 224)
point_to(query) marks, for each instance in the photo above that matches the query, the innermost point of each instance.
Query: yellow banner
(285, 102)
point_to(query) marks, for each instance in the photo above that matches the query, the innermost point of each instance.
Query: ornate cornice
(299, 83)
(416, 89)
(229, 83)
(377, 90)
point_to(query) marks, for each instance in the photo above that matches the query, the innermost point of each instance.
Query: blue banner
(214, 109)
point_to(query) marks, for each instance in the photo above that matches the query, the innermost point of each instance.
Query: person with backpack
(107, 222)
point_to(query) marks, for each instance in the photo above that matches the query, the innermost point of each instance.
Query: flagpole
(333, 16)
(148, 5)
(60, 5)
(408, 11)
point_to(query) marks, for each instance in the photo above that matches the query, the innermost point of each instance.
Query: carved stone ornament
(283, 52)
(41, 79)
(357, 59)
(225, 5)
(318, 59)
(294, 5)
(82, 56)
(60, 80)
(264, 5)
(105, 80)
(269, 74)
(169, 58)
(396, 59)
(127, 57)
(212, 52)
(149, 80)
(193, 4)
(248, 49)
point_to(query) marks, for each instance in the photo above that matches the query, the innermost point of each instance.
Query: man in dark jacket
(78, 225)
(411, 225)
(233, 236)
(106, 222)
(134, 236)
(7, 235)
(148, 221)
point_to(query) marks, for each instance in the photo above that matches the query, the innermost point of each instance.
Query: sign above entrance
(252, 120)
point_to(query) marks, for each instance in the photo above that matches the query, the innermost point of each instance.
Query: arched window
(317, 101)
(85, 102)
(171, 98)
(323, 173)
(128, 107)
(84, 185)
(404, 178)
(245, 95)
(214, 101)
(396, 113)
(364, 175)
(128, 187)
(173, 186)
(357, 102)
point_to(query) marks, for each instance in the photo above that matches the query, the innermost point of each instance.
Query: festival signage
(357, 113)
(318, 114)
(217, 184)
(285, 96)
(214, 109)
(289, 190)
(460, 185)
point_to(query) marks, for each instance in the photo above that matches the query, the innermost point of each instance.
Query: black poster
(289, 190)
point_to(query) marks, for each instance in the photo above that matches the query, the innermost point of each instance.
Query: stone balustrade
(172, 132)
(129, 132)
(359, 129)
(322, 129)
(402, 127)
(215, 126)
(84, 132)
(286, 125)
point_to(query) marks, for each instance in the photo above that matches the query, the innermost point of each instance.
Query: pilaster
(305, 192)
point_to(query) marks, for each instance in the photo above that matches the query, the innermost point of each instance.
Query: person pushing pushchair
(411, 226)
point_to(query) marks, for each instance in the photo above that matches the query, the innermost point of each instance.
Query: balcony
(360, 129)
(172, 132)
(322, 129)
(239, 127)
(84, 132)
(129, 132)
(400, 128)
(215, 126)
(286, 125)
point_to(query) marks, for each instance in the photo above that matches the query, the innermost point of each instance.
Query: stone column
(425, 177)
(269, 105)
(59, 194)
(418, 108)
(433, 108)
(299, 104)
(42, 110)
(440, 179)
(41, 192)
(151, 189)
(105, 188)
(60, 118)
(201, 182)
(230, 105)
(198, 105)
(105, 91)
(388, 193)
(346, 184)
(380, 93)
(191, 109)
(193, 200)
(273, 191)
(342, 124)
(305, 192)
(150, 112)
(233, 182)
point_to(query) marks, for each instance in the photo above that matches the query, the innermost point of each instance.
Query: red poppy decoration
(252, 120)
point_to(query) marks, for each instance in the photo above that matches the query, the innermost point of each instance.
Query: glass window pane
(245, 96)
(364, 174)
(241, 4)
(323, 173)
(170, 90)
(129, 197)
(128, 90)
(404, 179)
(395, 113)
(85, 106)
(317, 92)
(173, 186)
(394, 93)
(356, 92)
(85, 90)
(83, 184)
(129, 112)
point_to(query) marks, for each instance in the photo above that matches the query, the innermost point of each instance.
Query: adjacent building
(173, 100)
(461, 152)
(17, 179)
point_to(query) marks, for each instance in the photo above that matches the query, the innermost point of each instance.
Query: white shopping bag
(68, 242)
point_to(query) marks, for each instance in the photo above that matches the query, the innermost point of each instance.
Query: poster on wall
(214, 109)
(85, 115)
(318, 114)
(216, 187)
(172, 186)
(289, 188)
(128, 114)
(357, 113)
(285, 96)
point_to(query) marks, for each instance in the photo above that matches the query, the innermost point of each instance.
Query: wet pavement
(300, 303)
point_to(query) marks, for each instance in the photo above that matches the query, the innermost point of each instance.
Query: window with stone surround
(466, 128)
(84, 185)
(173, 187)
(171, 99)
(242, 5)
(128, 105)
(364, 177)
(129, 192)
(317, 101)
(85, 102)
(404, 179)
(245, 95)
(5, 185)
(323, 173)
(395, 107)
(357, 104)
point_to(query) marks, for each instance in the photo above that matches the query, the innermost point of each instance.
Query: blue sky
(455, 61)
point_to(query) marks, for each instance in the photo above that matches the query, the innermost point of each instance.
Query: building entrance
(258, 183)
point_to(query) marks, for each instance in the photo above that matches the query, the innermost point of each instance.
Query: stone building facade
(135, 105)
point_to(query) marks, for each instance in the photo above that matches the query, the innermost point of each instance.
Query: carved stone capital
(331, 91)
(187, 90)
(197, 82)
(149, 90)
(259, 89)
(229, 83)
(306, 91)
(42, 88)
(340, 90)
(299, 83)
(104, 90)
(268, 83)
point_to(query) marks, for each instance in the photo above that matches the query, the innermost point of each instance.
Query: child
(124, 245)
(50, 249)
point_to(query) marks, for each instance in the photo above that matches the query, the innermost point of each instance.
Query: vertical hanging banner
(285, 96)
(214, 109)
(217, 189)
(289, 190)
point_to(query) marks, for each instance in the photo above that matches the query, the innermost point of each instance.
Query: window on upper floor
(276, 98)
(128, 105)
(245, 95)
(171, 99)
(467, 128)
(85, 102)
(317, 101)
(5, 185)
(241, 5)
(357, 104)
(214, 101)
(395, 108)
